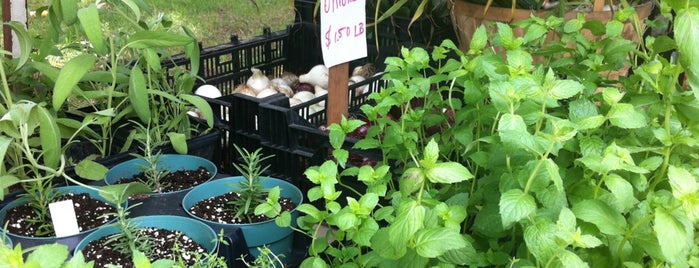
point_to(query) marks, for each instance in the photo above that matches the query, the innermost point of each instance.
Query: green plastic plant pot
(278, 239)
(159, 203)
(197, 231)
(70, 241)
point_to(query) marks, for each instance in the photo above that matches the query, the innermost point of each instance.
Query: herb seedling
(251, 193)
(152, 173)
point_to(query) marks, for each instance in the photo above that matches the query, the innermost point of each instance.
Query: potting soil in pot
(175, 181)
(165, 244)
(90, 213)
(217, 209)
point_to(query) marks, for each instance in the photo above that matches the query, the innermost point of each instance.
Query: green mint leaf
(607, 220)
(624, 115)
(515, 205)
(433, 242)
(541, 239)
(448, 172)
(431, 154)
(672, 235)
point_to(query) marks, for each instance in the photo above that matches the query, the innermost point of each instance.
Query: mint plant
(504, 155)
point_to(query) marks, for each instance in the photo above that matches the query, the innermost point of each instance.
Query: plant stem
(544, 157)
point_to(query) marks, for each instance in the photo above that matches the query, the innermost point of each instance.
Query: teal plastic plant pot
(28, 241)
(278, 239)
(159, 203)
(196, 230)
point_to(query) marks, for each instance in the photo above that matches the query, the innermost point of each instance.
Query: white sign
(63, 216)
(342, 31)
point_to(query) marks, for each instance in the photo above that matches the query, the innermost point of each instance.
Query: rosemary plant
(152, 173)
(251, 192)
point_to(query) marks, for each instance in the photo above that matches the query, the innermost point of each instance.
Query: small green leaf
(49, 255)
(157, 39)
(91, 170)
(614, 28)
(571, 260)
(624, 115)
(5, 182)
(448, 172)
(607, 220)
(337, 136)
(140, 260)
(201, 105)
(119, 193)
(612, 95)
(283, 220)
(431, 154)
(411, 180)
(541, 240)
(178, 142)
(434, 242)
(479, 39)
(564, 89)
(515, 205)
(682, 182)
(69, 76)
(622, 191)
(672, 235)
(138, 94)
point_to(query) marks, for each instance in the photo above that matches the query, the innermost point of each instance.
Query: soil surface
(165, 241)
(91, 213)
(176, 180)
(217, 209)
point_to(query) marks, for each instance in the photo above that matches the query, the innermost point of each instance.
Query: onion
(294, 101)
(304, 87)
(320, 92)
(208, 91)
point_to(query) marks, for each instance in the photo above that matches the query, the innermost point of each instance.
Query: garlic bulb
(258, 81)
(366, 70)
(208, 91)
(320, 92)
(356, 79)
(304, 96)
(294, 101)
(317, 76)
(290, 78)
(281, 86)
(266, 93)
(245, 90)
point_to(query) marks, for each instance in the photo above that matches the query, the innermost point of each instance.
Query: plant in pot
(32, 153)
(566, 172)
(262, 207)
(164, 240)
(168, 176)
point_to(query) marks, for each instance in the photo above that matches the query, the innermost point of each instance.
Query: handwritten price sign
(343, 24)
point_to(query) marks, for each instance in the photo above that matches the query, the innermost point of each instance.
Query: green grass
(213, 21)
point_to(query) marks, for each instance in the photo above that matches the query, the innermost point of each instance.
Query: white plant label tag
(63, 216)
(343, 31)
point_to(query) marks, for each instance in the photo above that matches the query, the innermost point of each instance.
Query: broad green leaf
(607, 220)
(5, 182)
(77, 261)
(566, 222)
(589, 122)
(367, 230)
(685, 26)
(90, 21)
(157, 39)
(614, 28)
(585, 240)
(69, 76)
(448, 172)
(50, 136)
(672, 235)
(201, 105)
(564, 89)
(624, 115)
(152, 59)
(612, 95)
(515, 205)
(682, 182)
(69, 10)
(25, 42)
(314, 262)
(49, 255)
(5, 142)
(178, 142)
(622, 190)
(434, 242)
(541, 239)
(119, 193)
(138, 94)
(91, 170)
(283, 220)
(463, 256)
(336, 136)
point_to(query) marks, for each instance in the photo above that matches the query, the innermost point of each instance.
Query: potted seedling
(262, 207)
(168, 176)
(161, 239)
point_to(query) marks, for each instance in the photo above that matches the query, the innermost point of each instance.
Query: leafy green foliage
(522, 155)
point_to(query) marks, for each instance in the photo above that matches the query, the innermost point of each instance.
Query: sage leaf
(25, 42)
(607, 220)
(201, 105)
(433, 242)
(157, 39)
(91, 170)
(178, 142)
(515, 205)
(5, 182)
(90, 21)
(448, 172)
(672, 235)
(50, 136)
(69, 76)
(138, 95)
(69, 9)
